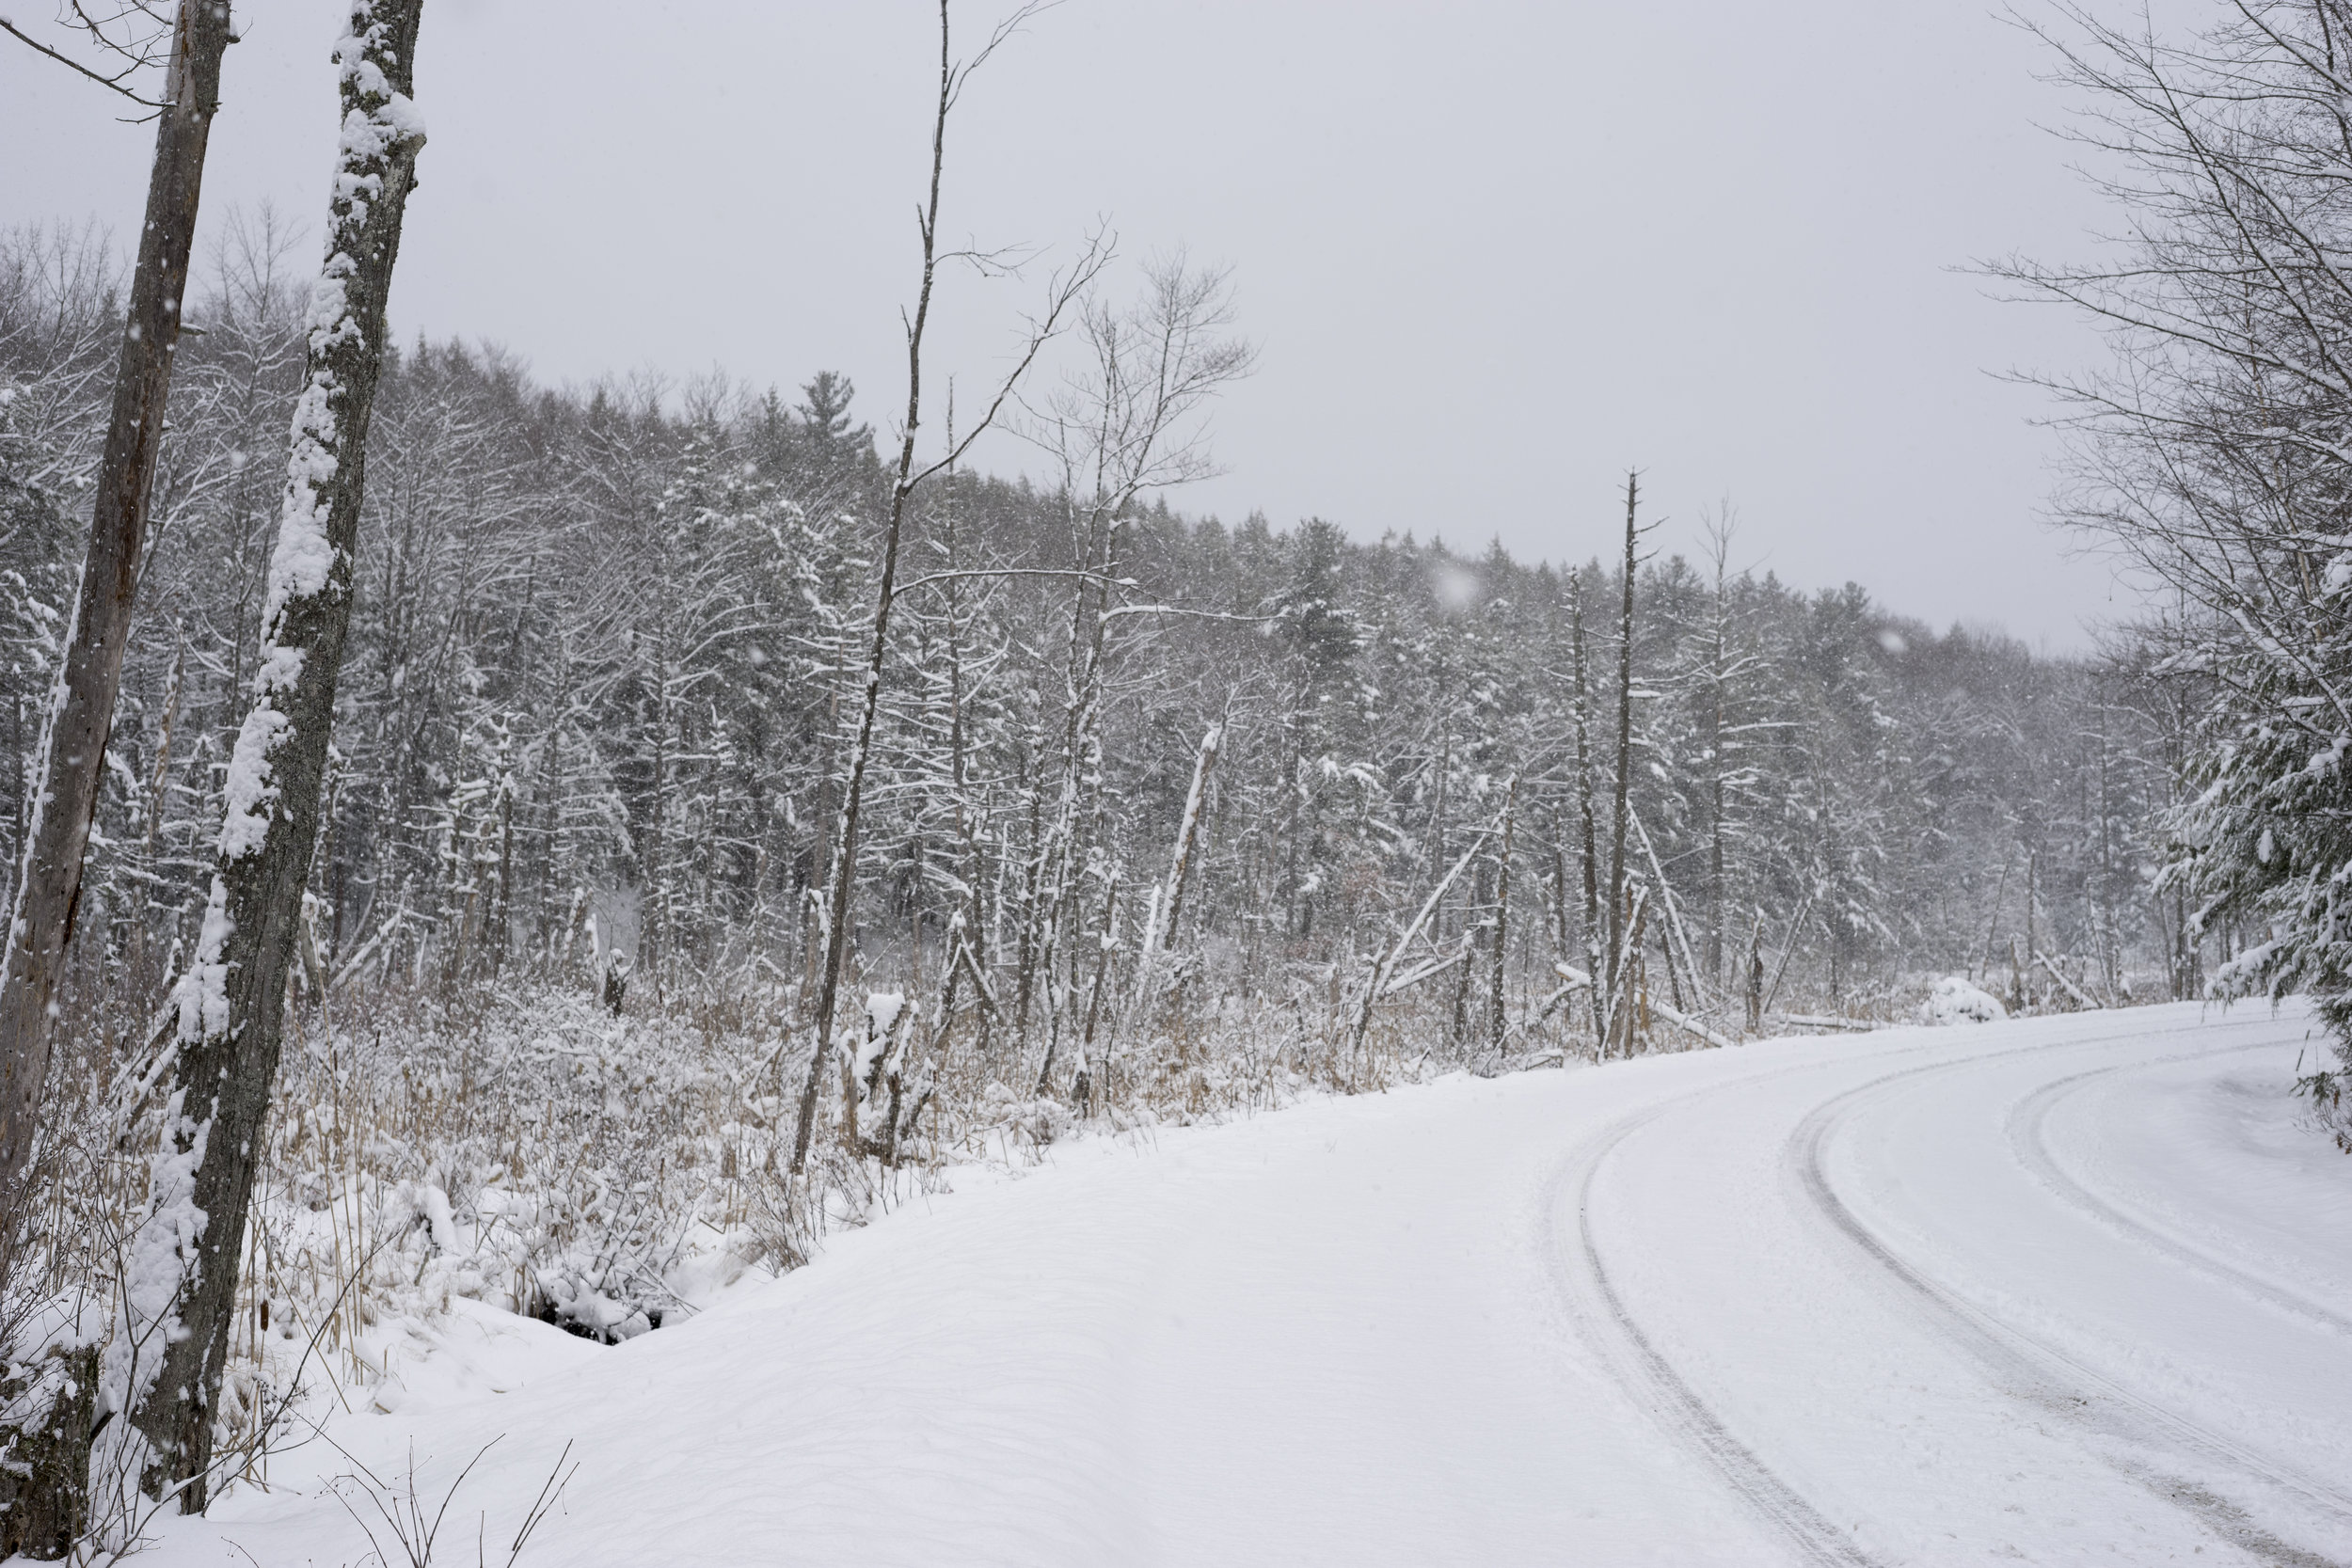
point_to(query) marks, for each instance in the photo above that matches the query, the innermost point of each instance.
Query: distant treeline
(604, 641)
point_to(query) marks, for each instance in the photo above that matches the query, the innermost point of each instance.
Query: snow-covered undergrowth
(515, 1149)
(1433, 1326)
(444, 1160)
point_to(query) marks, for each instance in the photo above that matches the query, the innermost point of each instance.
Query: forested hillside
(593, 707)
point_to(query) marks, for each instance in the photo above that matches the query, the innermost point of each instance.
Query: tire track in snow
(2048, 1378)
(1645, 1373)
(2029, 1143)
(1651, 1379)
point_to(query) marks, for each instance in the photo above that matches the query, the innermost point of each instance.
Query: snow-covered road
(2069, 1289)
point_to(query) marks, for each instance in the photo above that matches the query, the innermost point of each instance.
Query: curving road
(2065, 1290)
(2055, 1294)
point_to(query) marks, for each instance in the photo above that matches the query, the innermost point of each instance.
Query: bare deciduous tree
(1062, 294)
(71, 757)
(166, 1362)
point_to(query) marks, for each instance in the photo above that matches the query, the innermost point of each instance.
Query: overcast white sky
(1493, 252)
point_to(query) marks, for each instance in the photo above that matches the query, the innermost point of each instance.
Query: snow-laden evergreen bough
(2219, 456)
(164, 1367)
(2268, 842)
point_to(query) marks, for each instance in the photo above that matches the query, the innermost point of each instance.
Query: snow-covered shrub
(1954, 999)
(2325, 1090)
(529, 1150)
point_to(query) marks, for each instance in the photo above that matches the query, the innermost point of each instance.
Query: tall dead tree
(1722, 668)
(72, 755)
(1588, 839)
(164, 1367)
(1188, 833)
(1066, 287)
(1496, 1015)
(1620, 911)
(1159, 931)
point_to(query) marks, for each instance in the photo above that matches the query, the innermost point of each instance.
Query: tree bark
(1190, 832)
(2026, 980)
(1756, 977)
(1617, 909)
(230, 1001)
(1159, 933)
(1588, 834)
(1720, 680)
(72, 749)
(843, 878)
(1496, 1016)
(843, 881)
(44, 1483)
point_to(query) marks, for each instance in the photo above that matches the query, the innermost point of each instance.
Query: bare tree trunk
(72, 754)
(1437, 812)
(1189, 833)
(44, 1488)
(964, 927)
(1715, 867)
(156, 785)
(1026, 956)
(2026, 973)
(164, 1365)
(1588, 844)
(843, 878)
(1675, 940)
(1993, 926)
(1377, 986)
(1756, 977)
(504, 914)
(1088, 1085)
(1559, 884)
(1618, 911)
(1625, 1017)
(1718, 717)
(1159, 932)
(1496, 1016)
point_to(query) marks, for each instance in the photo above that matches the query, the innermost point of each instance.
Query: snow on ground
(2064, 1290)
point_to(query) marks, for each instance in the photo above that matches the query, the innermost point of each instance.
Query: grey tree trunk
(2026, 975)
(1756, 977)
(1618, 946)
(1497, 1018)
(167, 1361)
(73, 748)
(843, 881)
(44, 1487)
(1718, 771)
(1588, 841)
(1189, 831)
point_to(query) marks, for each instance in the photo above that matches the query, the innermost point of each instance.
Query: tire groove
(2026, 1126)
(1642, 1370)
(2046, 1377)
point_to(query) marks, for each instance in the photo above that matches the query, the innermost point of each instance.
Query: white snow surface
(2069, 1289)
